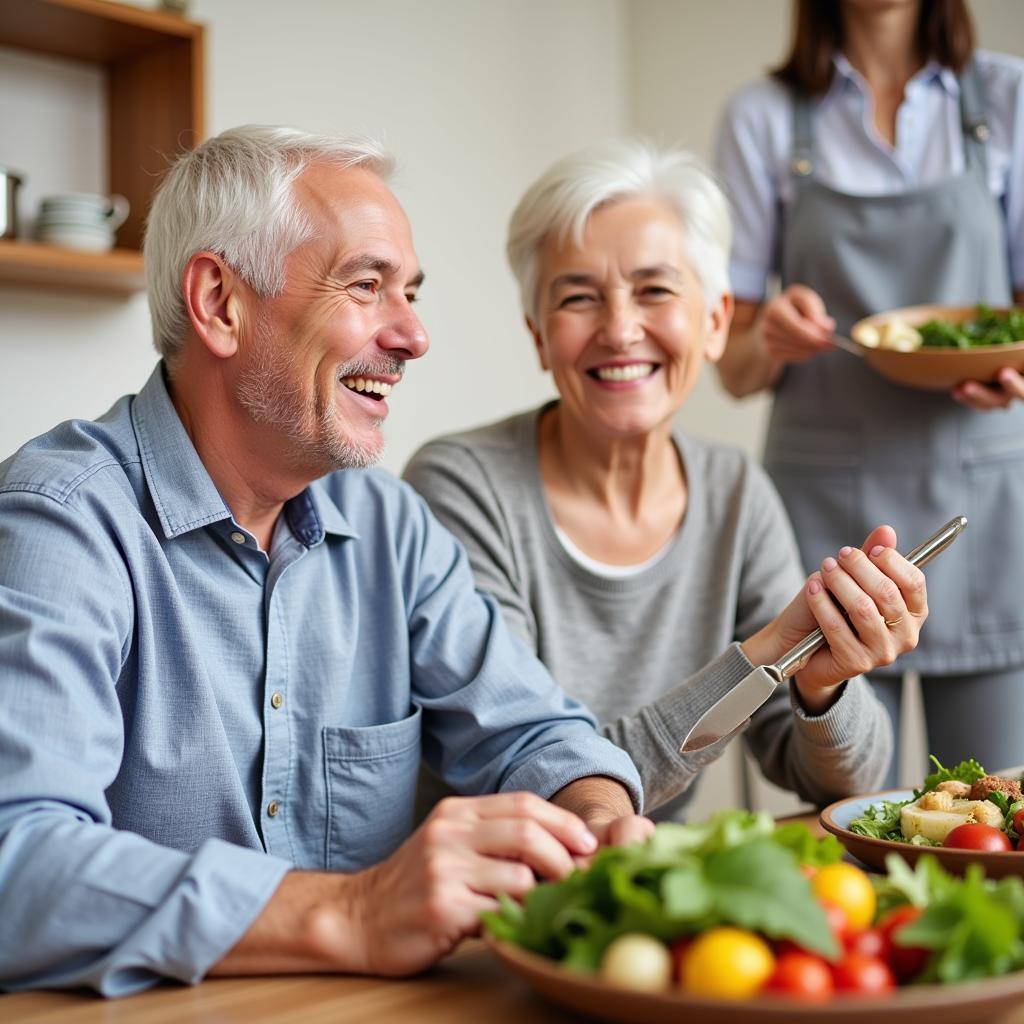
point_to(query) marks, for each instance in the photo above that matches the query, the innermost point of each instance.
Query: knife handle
(788, 664)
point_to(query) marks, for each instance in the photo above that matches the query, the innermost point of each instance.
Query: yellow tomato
(849, 888)
(727, 962)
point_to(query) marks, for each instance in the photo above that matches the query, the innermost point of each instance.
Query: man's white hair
(232, 195)
(560, 202)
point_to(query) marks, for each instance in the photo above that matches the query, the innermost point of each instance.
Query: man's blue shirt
(186, 717)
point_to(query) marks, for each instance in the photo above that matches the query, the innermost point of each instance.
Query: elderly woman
(651, 570)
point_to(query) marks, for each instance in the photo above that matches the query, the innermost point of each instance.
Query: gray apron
(848, 450)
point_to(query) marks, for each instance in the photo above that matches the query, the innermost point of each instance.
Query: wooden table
(470, 987)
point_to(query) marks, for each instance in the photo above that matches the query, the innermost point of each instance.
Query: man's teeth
(376, 387)
(632, 372)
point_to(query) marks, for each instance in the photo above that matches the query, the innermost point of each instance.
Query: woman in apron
(883, 166)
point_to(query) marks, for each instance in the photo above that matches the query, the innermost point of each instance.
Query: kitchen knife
(732, 711)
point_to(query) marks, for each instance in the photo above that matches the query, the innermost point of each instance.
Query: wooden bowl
(915, 1004)
(836, 819)
(937, 369)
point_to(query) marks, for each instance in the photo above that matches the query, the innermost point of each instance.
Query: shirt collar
(184, 494)
(847, 74)
(313, 513)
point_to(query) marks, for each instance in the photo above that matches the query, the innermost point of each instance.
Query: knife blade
(731, 712)
(847, 345)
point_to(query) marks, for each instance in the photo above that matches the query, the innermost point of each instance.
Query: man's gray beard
(272, 394)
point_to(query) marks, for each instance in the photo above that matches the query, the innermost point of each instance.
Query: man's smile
(368, 386)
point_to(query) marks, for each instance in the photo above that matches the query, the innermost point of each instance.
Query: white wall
(474, 97)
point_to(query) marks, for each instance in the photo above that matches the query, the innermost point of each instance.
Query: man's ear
(211, 290)
(538, 343)
(719, 318)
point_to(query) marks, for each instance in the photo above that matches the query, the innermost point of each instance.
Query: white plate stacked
(81, 220)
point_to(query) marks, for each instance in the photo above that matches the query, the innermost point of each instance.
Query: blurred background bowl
(937, 369)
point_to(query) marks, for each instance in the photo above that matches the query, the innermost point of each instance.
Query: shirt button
(238, 538)
(276, 699)
(272, 808)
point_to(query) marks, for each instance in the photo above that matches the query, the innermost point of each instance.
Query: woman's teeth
(371, 387)
(632, 372)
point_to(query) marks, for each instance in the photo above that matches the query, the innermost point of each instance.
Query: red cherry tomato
(977, 837)
(862, 975)
(678, 950)
(1020, 843)
(838, 920)
(906, 961)
(802, 976)
(1018, 823)
(867, 942)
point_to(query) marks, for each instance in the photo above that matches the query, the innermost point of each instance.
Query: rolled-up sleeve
(743, 151)
(494, 718)
(83, 903)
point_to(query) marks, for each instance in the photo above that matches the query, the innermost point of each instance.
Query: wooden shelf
(153, 64)
(118, 272)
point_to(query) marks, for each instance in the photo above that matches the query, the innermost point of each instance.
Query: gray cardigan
(651, 652)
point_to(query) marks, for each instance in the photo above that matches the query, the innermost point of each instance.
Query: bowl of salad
(960, 815)
(737, 919)
(934, 348)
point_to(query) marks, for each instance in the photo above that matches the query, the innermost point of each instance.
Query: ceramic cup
(9, 184)
(81, 220)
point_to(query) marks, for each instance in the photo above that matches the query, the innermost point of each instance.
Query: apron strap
(974, 118)
(801, 163)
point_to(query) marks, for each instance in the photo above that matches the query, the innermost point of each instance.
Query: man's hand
(407, 912)
(604, 805)
(1009, 387)
(885, 602)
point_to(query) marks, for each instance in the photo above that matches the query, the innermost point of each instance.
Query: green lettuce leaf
(968, 771)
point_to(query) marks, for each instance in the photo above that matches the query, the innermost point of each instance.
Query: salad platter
(739, 919)
(872, 851)
(931, 820)
(925, 1004)
(934, 348)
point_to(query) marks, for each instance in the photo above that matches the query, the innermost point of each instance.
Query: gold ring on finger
(894, 622)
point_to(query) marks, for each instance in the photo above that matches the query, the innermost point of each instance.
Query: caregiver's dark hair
(945, 33)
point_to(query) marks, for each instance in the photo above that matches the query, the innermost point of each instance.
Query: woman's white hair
(232, 195)
(562, 199)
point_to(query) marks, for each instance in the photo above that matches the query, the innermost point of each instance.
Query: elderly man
(221, 660)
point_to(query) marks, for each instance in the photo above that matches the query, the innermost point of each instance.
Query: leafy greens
(735, 869)
(986, 327)
(882, 820)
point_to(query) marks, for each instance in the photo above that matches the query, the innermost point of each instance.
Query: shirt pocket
(371, 774)
(994, 469)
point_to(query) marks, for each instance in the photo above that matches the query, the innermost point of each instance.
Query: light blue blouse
(754, 150)
(185, 718)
